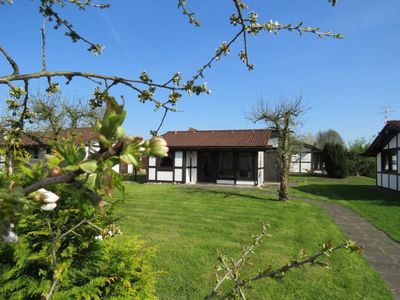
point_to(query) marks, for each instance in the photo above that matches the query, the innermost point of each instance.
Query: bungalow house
(307, 160)
(386, 149)
(246, 157)
(37, 144)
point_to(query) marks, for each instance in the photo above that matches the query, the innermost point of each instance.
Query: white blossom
(98, 237)
(49, 206)
(47, 196)
(11, 237)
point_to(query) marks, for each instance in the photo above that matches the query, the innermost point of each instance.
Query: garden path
(381, 252)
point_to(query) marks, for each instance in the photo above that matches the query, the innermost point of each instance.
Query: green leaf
(81, 153)
(120, 132)
(129, 159)
(89, 166)
(71, 168)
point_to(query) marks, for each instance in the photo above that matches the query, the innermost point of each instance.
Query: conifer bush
(334, 156)
(75, 247)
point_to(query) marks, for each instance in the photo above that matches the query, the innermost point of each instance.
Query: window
(246, 166)
(225, 170)
(389, 161)
(35, 153)
(393, 161)
(166, 162)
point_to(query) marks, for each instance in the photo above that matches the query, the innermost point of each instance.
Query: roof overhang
(215, 148)
(387, 133)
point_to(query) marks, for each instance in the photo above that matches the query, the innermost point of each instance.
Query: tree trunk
(283, 188)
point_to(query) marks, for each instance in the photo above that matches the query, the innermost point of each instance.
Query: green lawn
(358, 193)
(188, 224)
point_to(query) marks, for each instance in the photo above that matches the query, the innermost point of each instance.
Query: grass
(359, 193)
(188, 224)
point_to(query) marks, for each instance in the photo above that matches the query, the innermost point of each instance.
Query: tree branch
(10, 61)
(70, 176)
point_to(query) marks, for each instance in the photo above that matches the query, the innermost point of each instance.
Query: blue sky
(344, 82)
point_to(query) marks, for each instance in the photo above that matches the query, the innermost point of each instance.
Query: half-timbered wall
(191, 167)
(172, 174)
(301, 162)
(260, 168)
(389, 179)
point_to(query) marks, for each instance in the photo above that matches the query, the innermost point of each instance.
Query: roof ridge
(219, 130)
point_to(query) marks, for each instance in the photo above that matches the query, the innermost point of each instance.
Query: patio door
(207, 167)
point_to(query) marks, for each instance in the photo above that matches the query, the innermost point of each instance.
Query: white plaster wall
(398, 187)
(178, 174)
(385, 180)
(152, 174)
(378, 162)
(273, 142)
(305, 157)
(295, 157)
(165, 175)
(178, 158)
(191, 173)
(294, 167)
(305, 167)
(116, 168)
(393, 182)
(220, 181)
(152, 161)
(243, 182)
(398, 161)
(378, 180)
(392, 143)
(194, 175)
(260, 165)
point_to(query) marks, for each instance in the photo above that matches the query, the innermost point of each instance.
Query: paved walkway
(381, 252)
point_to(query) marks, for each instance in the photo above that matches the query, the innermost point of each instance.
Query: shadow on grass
(228, 193)
(350, 192)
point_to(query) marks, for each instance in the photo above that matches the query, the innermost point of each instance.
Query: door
(207, 166)
(271, 164)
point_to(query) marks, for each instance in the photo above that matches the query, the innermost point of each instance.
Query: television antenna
(386, 110)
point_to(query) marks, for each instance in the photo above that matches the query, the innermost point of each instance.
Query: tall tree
(284, 117)
(330, 136)
(69, 171)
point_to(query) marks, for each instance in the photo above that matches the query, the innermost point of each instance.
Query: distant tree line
(342, 160)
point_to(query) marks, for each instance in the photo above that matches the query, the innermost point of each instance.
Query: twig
(70, 176)
(11, 61)
(238, 263)
(162, 121)
(43, 31)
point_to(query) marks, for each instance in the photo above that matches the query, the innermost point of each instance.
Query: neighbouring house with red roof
(37, 144)
(246, 157)
(386, 149)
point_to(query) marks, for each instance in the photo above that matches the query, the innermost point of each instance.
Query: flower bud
(55, 171)
(47, 196)
(49, 199)
(158, 146)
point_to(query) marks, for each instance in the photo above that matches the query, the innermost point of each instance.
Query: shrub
(89, 261)
(359, 164)
(334, 156)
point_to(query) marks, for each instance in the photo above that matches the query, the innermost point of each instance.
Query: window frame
(387, 157)
(170, 155)
(252, 167)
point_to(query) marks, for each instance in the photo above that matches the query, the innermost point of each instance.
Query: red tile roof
(81, 135)
(246, 138)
